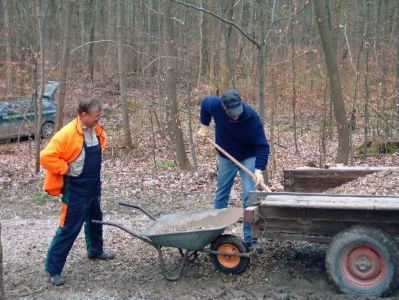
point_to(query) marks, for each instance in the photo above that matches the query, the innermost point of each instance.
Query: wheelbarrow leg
(178, 274)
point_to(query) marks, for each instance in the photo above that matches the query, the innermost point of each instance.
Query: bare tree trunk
(323, 133)
(366, 86)
(2, 296)
(293, 78)
(330, 54)
(336, 21)
(228, 77)
(352, 105)
(122, 78)
(173, 114)
(272, 122)
(90, 56)
(82, 33)
(64, 64)
(38, 135)
(261, 58)
(396, 103)
(188, 84)
(134, 30)
(108, 70)
(212, 45)
(8, 46)
(202, 44)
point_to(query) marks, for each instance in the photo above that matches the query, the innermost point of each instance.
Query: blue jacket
(243, 138)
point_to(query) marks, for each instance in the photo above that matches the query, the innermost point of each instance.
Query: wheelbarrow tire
(229, 264)
(362, 261)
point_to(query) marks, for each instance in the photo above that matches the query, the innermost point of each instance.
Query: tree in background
(174, 124)
(122, 78)
(330, 54)
(66, 45)
(39, 106)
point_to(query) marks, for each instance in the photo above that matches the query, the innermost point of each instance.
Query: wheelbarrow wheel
(229, 264)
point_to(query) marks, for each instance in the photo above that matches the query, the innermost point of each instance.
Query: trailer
(362, 232)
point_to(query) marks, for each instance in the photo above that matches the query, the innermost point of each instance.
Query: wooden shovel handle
(244, 168)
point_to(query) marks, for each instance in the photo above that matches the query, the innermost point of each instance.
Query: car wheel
(362, 261)
(47, 130)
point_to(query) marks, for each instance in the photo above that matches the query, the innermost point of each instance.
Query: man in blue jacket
(239, 131)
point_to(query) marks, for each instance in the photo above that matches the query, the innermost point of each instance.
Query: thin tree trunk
(187, 82)
(171, 82)
(274, 100)
(261, 59)
(396, 102)
(228, 78)
(82, 33)
(90, 55)
(323, 133)
(38, 136)
(201, 43)
(8, 47)
(133, 35)
(212, 46)
(336, 97)
(293, 78)
(64, 64)
(366, 86)
(108, 71)
(122, 78)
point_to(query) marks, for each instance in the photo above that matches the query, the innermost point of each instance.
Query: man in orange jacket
(73, 163)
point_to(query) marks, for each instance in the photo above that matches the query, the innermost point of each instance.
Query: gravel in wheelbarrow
(191, 230)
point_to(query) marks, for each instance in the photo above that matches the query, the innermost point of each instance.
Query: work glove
(203, 132)
(259, 180)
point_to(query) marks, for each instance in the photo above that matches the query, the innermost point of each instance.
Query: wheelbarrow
(193, 232)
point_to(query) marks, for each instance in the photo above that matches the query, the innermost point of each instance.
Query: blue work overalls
(80, 204)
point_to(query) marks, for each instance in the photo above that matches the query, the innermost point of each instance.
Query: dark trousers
(79, 207)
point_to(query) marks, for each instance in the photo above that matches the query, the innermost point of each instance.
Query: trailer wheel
(362, 261)
(229, 264)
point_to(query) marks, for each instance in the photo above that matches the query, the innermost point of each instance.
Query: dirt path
(287, 270)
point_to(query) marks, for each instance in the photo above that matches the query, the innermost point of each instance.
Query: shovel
(244, 168)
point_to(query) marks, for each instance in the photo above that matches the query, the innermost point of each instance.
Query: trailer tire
(362, 261)
(229, 264)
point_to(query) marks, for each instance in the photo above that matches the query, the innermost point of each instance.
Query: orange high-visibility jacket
(63, 148)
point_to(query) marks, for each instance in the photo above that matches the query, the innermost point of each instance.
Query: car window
(46, 104)
(13, 108)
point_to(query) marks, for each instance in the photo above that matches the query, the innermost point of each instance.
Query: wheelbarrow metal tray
(191, 230)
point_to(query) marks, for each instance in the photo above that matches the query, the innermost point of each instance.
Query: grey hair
(86, 104)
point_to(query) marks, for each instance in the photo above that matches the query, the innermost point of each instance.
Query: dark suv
(17, 115)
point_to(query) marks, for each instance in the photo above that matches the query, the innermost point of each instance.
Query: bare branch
(297, 12)
(245, 34)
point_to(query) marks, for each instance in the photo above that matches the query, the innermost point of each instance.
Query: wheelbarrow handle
(140, 237)
(138, 208)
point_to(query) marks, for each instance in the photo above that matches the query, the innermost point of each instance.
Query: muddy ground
(287, 270)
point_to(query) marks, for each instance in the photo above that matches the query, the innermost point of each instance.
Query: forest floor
(286, 270)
